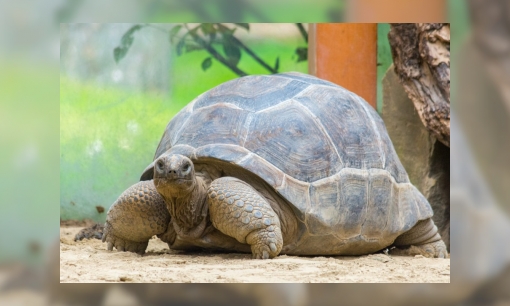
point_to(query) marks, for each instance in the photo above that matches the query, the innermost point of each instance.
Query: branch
(302, 31)
(214, 53)
(253, 55)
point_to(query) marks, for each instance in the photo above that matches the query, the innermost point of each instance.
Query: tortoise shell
(321, 147)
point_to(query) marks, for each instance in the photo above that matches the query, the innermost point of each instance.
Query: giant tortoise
(275, 164)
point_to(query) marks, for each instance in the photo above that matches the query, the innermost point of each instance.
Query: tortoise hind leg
(239, 211)
(422, 239)
(137, 215)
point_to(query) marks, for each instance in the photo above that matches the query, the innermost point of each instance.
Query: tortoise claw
(435, 249)
(121, 244)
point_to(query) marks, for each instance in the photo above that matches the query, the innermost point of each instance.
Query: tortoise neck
(189, 212)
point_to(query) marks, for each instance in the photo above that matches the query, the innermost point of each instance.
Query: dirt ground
(88, 261)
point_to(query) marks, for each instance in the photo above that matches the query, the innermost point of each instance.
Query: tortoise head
(174, 175)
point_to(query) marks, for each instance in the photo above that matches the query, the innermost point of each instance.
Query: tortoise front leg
(137, 215)
(422, 239)
(239, 211)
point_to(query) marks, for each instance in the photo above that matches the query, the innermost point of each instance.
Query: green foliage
(188, 81)
(302, 54)
(213, 37)
(206, 63)
(125, 43)
(232, 51)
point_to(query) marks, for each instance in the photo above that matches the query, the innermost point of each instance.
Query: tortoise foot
(422, 239)
(122, 244)
(435, 249)
(239, 211)
(137, 215)
(263, 244)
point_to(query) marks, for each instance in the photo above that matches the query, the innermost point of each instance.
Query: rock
(426, 160)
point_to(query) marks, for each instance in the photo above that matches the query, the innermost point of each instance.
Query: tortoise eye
(185, 168)
(159, 164)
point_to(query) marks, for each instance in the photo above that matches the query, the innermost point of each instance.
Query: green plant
(217, 39)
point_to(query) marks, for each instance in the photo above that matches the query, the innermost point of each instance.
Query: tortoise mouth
(173, 186)
(174, 180)
(178, 180)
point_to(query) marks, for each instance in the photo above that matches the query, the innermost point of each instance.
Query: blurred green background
(112, 116)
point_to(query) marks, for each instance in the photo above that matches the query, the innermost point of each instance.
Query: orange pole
(346, 54)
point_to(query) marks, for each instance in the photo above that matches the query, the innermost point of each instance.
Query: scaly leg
(422, 239)
(137, 215)
(239, 211)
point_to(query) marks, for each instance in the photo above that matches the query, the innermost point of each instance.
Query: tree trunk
(421, 57)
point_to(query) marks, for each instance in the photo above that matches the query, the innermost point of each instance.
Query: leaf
(225, 30)
(127, 38)
(174, 31)
(232, 51)
(125, 43)
(192, 47)
(302, 54)
(206, 63)
(207, 28)
(277, 64)
(244, 25)
(119, 53)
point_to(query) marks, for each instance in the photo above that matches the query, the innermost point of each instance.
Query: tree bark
(421, 57)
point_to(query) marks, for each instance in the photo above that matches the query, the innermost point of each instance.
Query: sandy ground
(89, 261)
